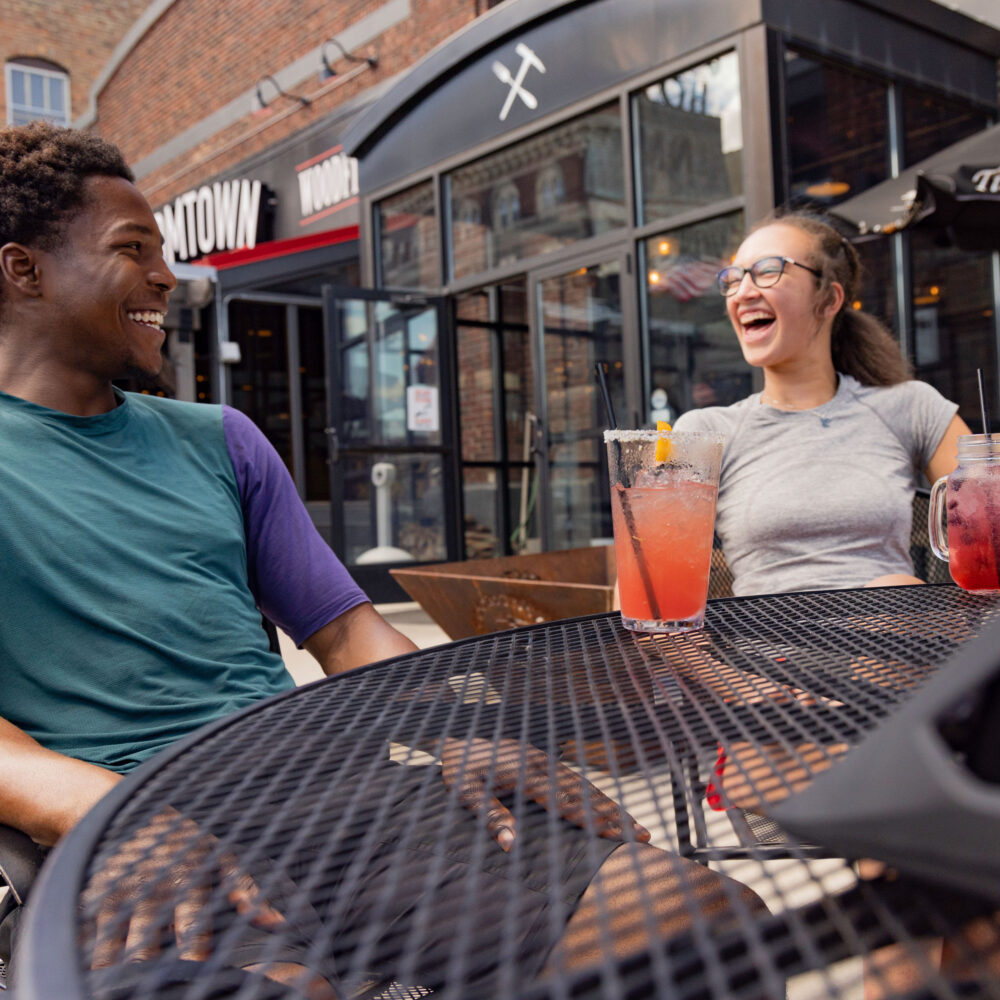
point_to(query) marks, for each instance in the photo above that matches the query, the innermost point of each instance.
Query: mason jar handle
(935, 519)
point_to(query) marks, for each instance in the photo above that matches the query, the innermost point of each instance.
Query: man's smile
(148, 317)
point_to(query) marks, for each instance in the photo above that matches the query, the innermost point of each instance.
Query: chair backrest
(720, 576)
(20, 860)
(926, 565)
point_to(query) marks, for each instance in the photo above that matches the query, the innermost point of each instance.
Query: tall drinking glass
(971, 495)
(664, 485)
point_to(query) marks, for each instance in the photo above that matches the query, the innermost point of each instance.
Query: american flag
(687, 278)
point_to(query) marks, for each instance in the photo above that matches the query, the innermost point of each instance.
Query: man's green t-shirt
(127, 618)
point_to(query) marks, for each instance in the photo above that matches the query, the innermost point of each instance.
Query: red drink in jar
(972, 496)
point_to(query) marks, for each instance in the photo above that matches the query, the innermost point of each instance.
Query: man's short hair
(42, 173)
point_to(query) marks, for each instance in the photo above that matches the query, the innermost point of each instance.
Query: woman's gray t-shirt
(822, 498)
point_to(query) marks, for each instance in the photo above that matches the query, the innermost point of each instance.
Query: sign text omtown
(208, 219)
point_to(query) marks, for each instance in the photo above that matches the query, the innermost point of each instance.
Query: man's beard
(138, 379)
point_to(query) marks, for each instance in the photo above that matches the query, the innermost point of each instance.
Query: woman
(820, 467)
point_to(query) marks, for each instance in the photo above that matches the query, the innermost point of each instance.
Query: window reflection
(408, 239)
(495, 392)
(695, 359)
(538, 195)
(581, 314)
(353, 402)
(953, 331)
(260, 386)
(877, 293)
(931, 122)
(312, 372)
(837, 135)
(404, 401)
(415, 521)
(550, 189)
(690, 139)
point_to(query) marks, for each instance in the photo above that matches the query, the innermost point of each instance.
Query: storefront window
(408, 239)
(538, 195)
(837, 131)
(930, 123)
(415, 521)
(690, 139)
(312, 372)
(404, 363)
(495, 390)
(582, 325)
(695, 359)
(953, 331)
(877, 292)
(260, 380)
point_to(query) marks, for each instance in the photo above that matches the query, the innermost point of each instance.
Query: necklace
(825, 421)
(777, 404)
(770, 400)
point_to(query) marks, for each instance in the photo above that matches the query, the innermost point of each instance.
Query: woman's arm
(944, 459)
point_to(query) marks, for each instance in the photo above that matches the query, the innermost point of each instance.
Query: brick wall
(78, 36)
(200, 55)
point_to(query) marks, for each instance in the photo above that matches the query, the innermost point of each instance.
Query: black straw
(647, 583)
(602, 380)
(984, 406)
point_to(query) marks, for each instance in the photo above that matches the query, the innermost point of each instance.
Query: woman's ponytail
(861, 344)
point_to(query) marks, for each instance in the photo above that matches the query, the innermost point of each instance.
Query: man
(142, 537)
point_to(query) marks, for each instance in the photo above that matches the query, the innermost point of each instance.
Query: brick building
(407, 229)
(54, 52)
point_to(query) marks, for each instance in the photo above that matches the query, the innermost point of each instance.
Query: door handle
(332, 444)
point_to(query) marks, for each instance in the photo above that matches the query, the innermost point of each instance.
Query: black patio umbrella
(955, 191)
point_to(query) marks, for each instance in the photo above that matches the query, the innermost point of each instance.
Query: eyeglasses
(763, 273)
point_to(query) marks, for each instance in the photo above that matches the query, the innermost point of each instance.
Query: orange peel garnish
(664, 447)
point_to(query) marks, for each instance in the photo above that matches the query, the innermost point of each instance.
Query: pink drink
(670, 528)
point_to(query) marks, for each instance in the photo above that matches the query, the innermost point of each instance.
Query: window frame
(28, 67)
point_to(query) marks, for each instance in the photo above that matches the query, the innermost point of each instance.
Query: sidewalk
(409, 618)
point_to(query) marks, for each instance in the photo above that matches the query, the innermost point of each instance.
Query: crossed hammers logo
(504, 75)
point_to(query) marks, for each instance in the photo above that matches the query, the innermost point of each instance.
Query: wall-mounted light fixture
(261, 101)
(327, 71)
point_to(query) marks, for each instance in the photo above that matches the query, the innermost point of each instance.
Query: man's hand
(166, 868)
(162, 879)
(481, 770)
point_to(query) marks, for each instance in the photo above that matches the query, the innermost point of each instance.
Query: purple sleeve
(294, 575)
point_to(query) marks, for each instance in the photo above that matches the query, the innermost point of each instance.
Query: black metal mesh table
(326, 804)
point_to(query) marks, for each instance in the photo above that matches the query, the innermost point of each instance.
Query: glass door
(391, 455)
(581, 316)
(279, 381)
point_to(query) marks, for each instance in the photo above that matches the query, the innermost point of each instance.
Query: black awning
(956, 191)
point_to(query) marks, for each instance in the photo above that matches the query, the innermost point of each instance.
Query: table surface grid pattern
(300, 792)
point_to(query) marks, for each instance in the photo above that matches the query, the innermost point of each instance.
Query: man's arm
(42, 792)
(356, 637)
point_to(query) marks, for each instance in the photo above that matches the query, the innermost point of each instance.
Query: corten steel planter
(487, 595)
